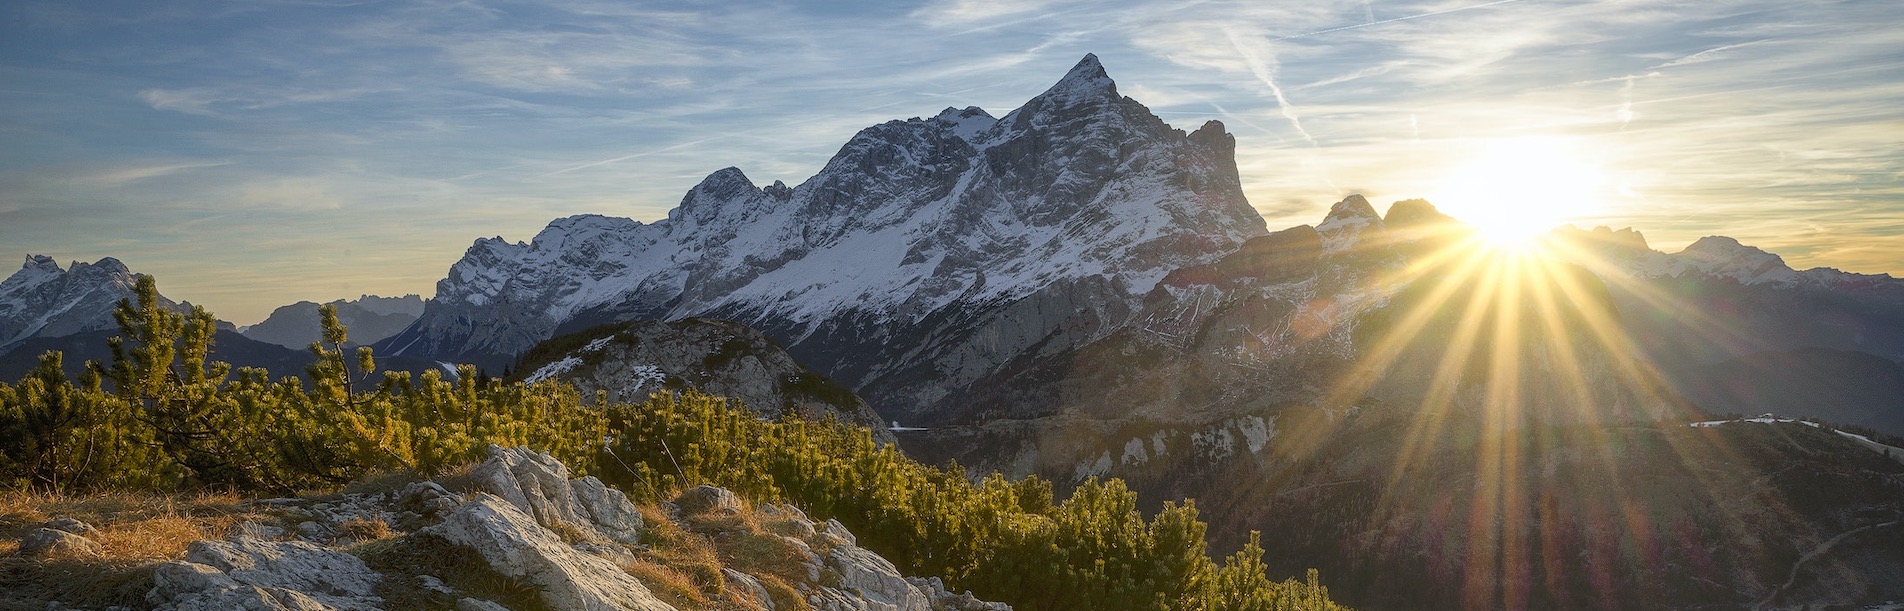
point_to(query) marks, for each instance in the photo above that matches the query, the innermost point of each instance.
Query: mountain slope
(43, 300)
(629, 361)
(369, 317)
(968, 241)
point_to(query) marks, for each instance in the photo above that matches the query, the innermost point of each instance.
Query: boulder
(48, 542)
(875, 579)
(709, 499)
(248, 574)
(748, 587)
(511, 542)
(537, 484)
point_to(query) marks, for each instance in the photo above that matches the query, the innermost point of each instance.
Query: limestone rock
(875, 579)
(250, 574)
(749, 587)
(47, 542)
(709, 499)
(539, 485)
(513, 545)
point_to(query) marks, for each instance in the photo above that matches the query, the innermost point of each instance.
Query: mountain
(43, 300)
(1442, 424)
(627, 362)
(924, 256)
(369, 317)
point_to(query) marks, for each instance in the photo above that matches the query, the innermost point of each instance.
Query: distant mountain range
(1078, 289)
(369, 317)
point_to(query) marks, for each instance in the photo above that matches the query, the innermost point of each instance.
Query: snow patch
(549, 371)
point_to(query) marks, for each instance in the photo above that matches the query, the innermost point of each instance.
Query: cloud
(121, 176)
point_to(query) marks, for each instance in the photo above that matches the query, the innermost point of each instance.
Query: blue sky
(251, 154)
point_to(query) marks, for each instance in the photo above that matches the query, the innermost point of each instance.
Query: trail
(1814, 553)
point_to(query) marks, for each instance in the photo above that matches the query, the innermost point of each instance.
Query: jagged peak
(107, 265)
(1352, 207)
(1086, 80)
(42, 263)
(1215, 134)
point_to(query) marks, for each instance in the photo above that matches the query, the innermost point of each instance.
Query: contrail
(1395, 19)
(1263, 72)
(636, 155)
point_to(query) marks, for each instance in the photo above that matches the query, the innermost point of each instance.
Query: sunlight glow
(1516, 189)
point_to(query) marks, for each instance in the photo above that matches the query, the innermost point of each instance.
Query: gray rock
(252, 574)
(68, 524)
(47, 542)
(838, 530)
(539, 485)
(477, 604)
(709, 499)
(749, 587)
(311, 530)
(515, 546)
(875, 579)
(943, 600)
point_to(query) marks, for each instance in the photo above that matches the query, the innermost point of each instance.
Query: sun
(1515, 190)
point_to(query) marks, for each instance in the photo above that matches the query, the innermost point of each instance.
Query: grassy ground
(135, 532)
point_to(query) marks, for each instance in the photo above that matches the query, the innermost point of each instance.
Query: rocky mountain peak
(1346, 224)
(1086, 80)
(1724, 256)
(41, 263)
(1414, 212)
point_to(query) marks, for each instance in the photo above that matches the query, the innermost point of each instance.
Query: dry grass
(134, 532)
(131, 526)
(669, 584)
(363, 529)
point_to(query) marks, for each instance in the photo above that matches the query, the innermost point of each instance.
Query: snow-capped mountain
(43, 300)
(369, 318)
(934, 248)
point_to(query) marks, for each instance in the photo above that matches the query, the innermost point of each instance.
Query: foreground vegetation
(164, 417)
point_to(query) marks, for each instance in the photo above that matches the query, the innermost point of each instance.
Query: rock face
(717, 357)
(539, 485)
(967, 240)
(515, 546)
(565, 543)
(369, 317)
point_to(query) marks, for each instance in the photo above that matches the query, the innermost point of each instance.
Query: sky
(254, 153)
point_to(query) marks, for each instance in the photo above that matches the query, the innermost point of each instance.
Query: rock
(539, 485)
(748, 587)
(251, 574)
(608, 509)
(515, 546)
(943, 600)
(67, 524)
(311, 530)
(875, 579)
(477, 604)
(709, 499)
(426, 499)
(838, 531)
(431, 583)
(47, 542)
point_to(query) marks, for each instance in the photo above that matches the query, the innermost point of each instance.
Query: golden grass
(131, 526)
(363, 529)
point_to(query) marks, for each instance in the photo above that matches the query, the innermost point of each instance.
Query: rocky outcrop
(520, 527)
(539, 485)
(516, 547)
(627, 362)
(250, 574)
